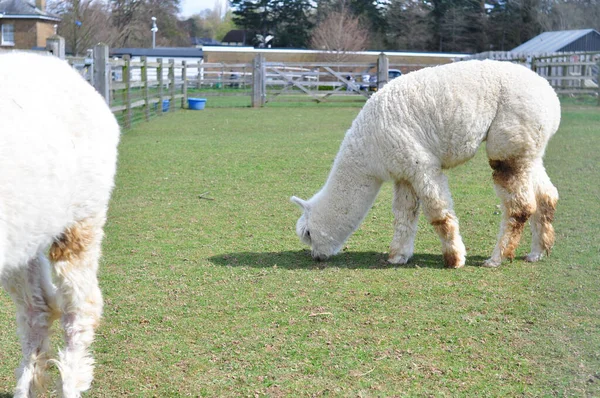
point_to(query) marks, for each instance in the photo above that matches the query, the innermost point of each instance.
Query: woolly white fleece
(426, 121)
(58, 152)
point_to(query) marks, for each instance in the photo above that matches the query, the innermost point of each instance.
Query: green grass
(219, 298)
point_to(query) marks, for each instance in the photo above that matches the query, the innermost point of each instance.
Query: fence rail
(570, 73)
(144, 88)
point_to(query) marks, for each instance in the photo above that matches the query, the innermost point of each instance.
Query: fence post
(200, 74)
(565, 74)
(185, 84)
(172, 85)
(146, 88)
(159, 76)
(127, 92)
(258, 81)
(382, 71)
(598, 77)
(583, 72)
(102, 71)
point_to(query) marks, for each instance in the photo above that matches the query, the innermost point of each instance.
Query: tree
(289, 21)
(570, 14)
(458, 25)
(514, 22)
(338, 34)
(371, 14)
(210, 23)
(84, 23)
(132, 20)
(294, 24)
(408, 27)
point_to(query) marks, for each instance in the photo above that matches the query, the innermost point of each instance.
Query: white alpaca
(58, 150)
(435, 119)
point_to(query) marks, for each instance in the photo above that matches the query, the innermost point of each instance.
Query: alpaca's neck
(347, 196)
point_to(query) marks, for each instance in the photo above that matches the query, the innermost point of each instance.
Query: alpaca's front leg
(31, 289)
(76, 257)
(406, 217)
(434, 192)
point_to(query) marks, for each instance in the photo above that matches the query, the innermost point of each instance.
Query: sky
(190, 7)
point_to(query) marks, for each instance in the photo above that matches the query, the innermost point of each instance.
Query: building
(582, 40)
(236, 37)
(204, 41)
(25, 25)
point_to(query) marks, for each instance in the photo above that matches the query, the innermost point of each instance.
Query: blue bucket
(196, 104)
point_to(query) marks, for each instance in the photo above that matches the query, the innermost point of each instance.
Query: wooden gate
(320, 81)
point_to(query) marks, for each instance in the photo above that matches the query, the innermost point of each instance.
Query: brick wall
(29, 33)
(45, 29)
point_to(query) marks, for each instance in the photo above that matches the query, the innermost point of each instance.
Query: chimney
(41, 4)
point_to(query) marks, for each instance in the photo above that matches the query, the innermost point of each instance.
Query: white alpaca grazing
(58, 151)
(435, 119)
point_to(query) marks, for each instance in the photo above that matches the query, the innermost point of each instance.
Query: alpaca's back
(448, 111)
(57, 153)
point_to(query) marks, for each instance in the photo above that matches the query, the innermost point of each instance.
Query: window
(8, 35)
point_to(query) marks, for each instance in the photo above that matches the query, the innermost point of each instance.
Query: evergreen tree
(289, 21)
(408, 27)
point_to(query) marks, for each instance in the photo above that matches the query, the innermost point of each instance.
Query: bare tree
(582, 14)
(132, 19)
(339, 34)
(84, 23)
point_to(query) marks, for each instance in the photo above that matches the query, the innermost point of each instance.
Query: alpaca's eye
(308, 234)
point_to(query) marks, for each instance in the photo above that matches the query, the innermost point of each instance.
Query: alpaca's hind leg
(514, 187)
(434, 192)
(406, 216)
(75, 255)
(546, 197)
(33, 293)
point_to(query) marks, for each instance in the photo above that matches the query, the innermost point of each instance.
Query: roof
(248, 49)
(22, 9)
(159, 52)
(552, 41)
(204, 41)
(235, 36)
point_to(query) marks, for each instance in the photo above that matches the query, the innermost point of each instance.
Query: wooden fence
(141, 89)
(568, 73)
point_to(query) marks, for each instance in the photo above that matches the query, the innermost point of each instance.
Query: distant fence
(141, 89)
(569, 73)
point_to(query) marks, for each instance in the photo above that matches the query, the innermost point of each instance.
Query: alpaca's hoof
(491, 263)
(454, 260)
(398, 259)
(533, 257)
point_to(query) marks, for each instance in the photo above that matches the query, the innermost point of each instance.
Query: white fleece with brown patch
(58, 153)
(430, 120)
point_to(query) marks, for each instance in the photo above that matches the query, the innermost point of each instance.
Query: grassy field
(208, 291)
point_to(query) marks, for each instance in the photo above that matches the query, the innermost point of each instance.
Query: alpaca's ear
(303, 204)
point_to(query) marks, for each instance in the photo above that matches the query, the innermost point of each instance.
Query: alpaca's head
(313, 230)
